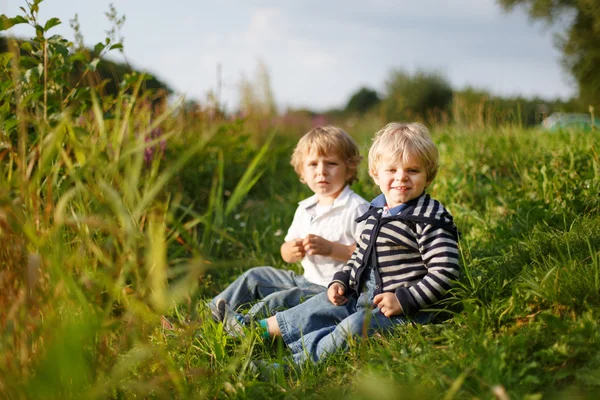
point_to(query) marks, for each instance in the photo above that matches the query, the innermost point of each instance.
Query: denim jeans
(275, 289)
(316, 328)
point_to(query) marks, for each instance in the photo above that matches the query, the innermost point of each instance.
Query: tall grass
(98, 240)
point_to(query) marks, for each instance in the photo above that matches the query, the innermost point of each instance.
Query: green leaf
(79, 56)
(117, 46)
(62, 50)
(4, 87)
(28, 62)
(26, 46)
(5, 59)
(39, 31)
(9, 124)
(52, 22)
(5, 108)
(98, 48)
(7, 23)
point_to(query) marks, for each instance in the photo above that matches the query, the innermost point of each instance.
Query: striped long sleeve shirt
(415, 254)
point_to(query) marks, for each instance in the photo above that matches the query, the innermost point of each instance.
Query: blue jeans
(277, 289)
(316, 328)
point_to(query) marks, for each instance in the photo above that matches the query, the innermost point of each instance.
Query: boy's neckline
(341, 199)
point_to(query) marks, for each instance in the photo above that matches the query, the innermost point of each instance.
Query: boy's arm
(292, 251)
(343, 276)
(342, 252)
(439, 250)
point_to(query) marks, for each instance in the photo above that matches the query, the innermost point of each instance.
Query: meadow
(115, 211)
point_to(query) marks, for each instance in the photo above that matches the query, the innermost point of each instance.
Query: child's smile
(401, 182)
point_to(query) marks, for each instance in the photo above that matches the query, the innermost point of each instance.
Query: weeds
(98, 240)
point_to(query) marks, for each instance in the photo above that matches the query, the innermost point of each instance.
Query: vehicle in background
(571, 121)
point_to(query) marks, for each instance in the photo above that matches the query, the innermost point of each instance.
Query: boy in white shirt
(321, 237)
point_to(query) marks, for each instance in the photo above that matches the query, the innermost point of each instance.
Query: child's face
(325, 175)
(401, 182)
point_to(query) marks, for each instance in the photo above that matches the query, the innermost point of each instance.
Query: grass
(111, 243)
(113, 214)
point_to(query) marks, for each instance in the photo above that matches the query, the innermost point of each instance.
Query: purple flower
(158, 148)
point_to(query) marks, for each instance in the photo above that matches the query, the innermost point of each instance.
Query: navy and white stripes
(416, 254)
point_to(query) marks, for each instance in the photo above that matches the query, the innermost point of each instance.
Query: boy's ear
(348, 173)
(375, 177)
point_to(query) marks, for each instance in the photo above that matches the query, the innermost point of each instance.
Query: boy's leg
(285, 299)
(255, 284)
(312, 315)
(365, 321)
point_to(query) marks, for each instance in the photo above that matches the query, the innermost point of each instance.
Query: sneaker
(217, 309)
(233, 322)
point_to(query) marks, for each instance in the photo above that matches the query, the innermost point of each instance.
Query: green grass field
(114, 212)
(109, 243)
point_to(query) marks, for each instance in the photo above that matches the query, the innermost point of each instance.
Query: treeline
(425, 96)
(428, 96)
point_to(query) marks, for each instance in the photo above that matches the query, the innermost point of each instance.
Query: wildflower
(157, 148)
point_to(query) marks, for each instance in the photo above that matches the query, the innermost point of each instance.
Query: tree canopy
(580, 44)
(425, 95)
(362, 101)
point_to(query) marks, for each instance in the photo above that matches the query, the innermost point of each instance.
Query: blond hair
(327, 140)
(404, 141)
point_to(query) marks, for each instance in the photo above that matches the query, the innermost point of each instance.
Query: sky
(318, 52)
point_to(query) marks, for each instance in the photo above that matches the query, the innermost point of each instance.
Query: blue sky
(320, 52)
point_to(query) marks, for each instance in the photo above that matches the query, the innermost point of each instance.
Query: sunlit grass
(110, 244)
(116, 216)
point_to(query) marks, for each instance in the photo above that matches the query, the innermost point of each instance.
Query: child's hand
(316, 245)
(335, 294)
(388, 304)
(292, 251)
(297, 249)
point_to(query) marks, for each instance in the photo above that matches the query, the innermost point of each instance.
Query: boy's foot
(217, 310)
(232, 322)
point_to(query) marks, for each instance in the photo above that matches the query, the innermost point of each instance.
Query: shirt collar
(340, 201)
(381, 202)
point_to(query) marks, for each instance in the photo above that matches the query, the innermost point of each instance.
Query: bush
(423, 95)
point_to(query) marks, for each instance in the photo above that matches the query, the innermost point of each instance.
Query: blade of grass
(250, 177)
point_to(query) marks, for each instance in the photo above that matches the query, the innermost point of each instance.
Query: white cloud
(320, 52)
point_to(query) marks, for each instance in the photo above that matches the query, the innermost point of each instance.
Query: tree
(425, 95)
(580, 44)
(362, 101)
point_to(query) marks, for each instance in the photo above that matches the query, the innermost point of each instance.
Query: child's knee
(256, 274)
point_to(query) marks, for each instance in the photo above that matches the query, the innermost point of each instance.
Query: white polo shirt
(336, 224)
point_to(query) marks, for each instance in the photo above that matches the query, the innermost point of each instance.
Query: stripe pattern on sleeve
(415, 254)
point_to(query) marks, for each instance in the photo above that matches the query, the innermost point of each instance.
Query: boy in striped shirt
(405, 261)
